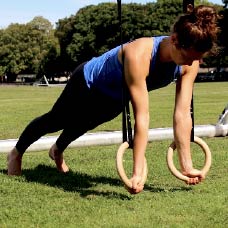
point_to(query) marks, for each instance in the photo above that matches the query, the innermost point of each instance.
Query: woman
(94, 93)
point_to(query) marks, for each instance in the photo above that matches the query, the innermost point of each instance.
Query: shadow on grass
(167, 189)
(82, 183)
(73, 182)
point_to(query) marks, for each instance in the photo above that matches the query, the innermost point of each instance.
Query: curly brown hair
(197, 29)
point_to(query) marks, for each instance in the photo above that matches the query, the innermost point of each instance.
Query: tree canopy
(25, 46)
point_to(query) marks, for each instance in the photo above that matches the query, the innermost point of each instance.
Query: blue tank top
(104, 73)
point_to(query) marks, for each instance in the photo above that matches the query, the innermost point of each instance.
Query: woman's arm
(182, 121)
(136, 65)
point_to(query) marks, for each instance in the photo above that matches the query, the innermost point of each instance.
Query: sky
(23, 11)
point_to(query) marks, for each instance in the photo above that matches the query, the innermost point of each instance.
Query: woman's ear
(174, 40)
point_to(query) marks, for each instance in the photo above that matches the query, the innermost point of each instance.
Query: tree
(25, 46)
(222, 59)
(12, 53)
(95, 29)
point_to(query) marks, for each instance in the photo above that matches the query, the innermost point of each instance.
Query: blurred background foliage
(41, 48)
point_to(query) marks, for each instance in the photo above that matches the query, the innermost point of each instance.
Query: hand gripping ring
(120, 168)
(207, 162)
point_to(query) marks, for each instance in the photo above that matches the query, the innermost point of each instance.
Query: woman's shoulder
(140, 45)
(146, 43)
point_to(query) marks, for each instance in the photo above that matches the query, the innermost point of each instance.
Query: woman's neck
(165, 50)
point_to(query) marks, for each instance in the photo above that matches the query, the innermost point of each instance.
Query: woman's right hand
(137, 185)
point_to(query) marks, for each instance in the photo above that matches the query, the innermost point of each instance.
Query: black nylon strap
(192, 116)
(126, 117)
(186, 4)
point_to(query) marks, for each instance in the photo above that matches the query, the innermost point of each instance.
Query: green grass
(91, 194)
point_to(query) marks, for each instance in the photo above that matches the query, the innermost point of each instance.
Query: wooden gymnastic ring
(207, 162)
(120, 169)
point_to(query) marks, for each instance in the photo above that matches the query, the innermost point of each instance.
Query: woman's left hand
(195, 176)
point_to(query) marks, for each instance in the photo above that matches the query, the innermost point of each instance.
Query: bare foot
(57, 156)
(14, 160)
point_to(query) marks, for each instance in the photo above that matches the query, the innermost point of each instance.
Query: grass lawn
(91, 194)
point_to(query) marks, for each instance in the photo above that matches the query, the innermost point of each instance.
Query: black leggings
(77, 110)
